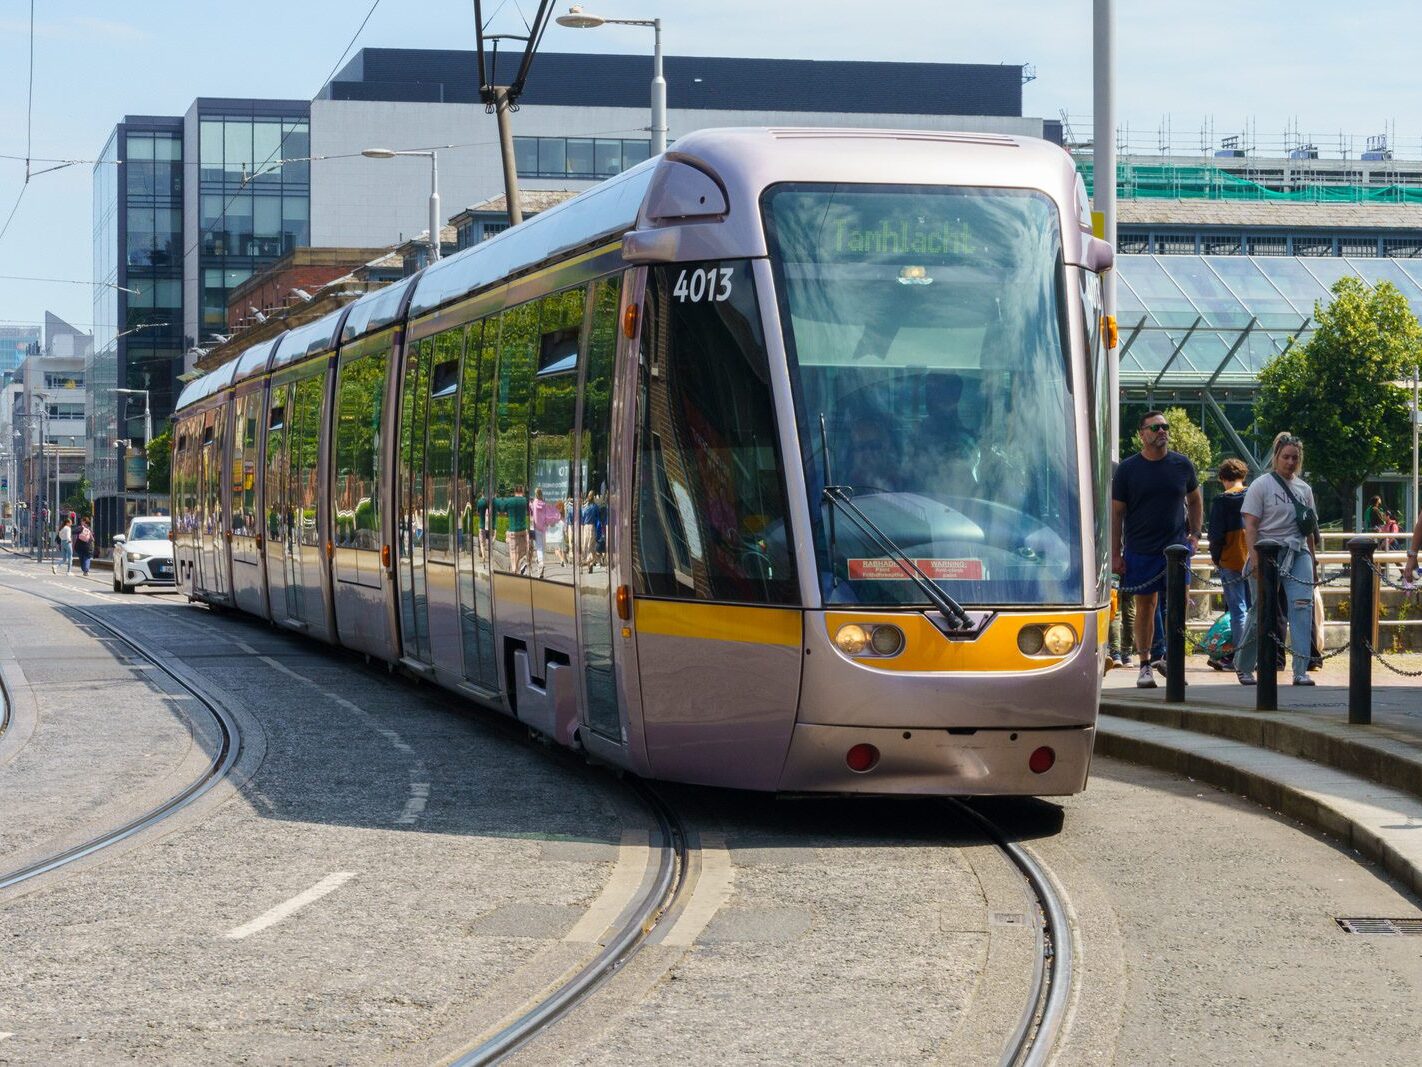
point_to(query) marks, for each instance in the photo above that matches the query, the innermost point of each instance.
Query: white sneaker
(1146, 680)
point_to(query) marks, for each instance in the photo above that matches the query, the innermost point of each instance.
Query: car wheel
(124, 587)
(116, 583)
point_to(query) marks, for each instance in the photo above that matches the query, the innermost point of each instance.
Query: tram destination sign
(940, 570)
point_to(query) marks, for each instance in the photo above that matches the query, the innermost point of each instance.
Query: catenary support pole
(1103, 59)
(1362, 609)
(1266, 693)
(506, 150)
(1176, 559)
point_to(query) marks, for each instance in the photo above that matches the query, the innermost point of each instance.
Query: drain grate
(1382, 927)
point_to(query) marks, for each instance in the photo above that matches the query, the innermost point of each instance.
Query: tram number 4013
(703, 283)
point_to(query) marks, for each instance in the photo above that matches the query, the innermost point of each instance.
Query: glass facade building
(253, 202)
(1196, 330)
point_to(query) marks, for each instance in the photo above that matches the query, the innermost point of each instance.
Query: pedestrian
(1228, 552)
(1155, 502)
(1375, 515)
(1409, 569)
(84, 544)
(516, 536)
(541, 515)
(587, 525)
(1280, 506)
(65, 539)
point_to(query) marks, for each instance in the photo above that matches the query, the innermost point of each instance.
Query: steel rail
(1035, 1036)
(222, 762)
(667, 887)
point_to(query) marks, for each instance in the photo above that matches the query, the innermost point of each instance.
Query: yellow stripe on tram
(718, 622)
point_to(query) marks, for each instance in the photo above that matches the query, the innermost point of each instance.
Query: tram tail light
(1041, 761)
(862, 758)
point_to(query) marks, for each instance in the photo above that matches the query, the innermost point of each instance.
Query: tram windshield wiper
(950, 609)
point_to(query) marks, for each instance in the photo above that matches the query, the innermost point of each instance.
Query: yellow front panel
(718, 622)
(927, 649)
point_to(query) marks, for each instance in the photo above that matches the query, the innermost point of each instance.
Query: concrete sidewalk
(1360, 784)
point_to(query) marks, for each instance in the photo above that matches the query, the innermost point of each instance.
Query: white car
(145, 556)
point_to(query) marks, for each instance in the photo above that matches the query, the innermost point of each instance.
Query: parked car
(145, 555)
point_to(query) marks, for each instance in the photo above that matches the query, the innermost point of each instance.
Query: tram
(777, 462)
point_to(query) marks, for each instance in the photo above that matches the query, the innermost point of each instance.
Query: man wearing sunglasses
(1155, 502)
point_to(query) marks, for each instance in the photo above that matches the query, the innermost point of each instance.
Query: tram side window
(711, 511)
(304, 440)
(439, 463)
(190, 481)
(1096, 356)
(476, 398)
(554, 414)
(362, 394)
(597, 399)
(276, 461)
(518, 350)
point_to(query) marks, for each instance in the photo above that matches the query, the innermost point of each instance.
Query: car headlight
(1059, 639)
(135, 557)
(851, 639)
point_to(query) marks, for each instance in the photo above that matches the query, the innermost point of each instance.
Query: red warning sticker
(940, 570)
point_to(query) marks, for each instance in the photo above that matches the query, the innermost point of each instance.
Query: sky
(1206, 64)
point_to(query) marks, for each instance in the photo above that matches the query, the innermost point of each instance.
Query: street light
(390, 153)
(578, 19)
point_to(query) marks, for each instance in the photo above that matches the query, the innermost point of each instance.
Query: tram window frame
(705, 353)
(360, 399)
(553, 412)
(441, 429)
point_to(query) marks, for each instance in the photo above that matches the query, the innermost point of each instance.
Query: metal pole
(1176, 559)
(434, 206)
(1104, 180)
(659, 94)
(1416, 427)
(506, 149)
(1360, 630)
(1266, 628)
(147, 419)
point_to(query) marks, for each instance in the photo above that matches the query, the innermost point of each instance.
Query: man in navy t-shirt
(1155, 502)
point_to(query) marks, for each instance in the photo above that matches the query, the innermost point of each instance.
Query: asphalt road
(390, 874)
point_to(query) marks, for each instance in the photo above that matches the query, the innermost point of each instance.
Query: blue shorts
(1145, 574)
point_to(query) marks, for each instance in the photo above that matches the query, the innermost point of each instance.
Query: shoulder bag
(1304, 516)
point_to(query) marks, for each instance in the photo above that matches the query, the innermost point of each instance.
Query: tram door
(274, 498)
(214, 547)
(475, 503)
(414, 417)
(593, 543)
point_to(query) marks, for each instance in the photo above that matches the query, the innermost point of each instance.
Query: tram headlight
(851, 639)
(1059, 639)
(1029, 640)
(887, 641)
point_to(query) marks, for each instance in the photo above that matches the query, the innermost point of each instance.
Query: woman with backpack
(1280, 506)
(84, 544)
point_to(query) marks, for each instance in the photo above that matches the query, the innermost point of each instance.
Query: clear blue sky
(1320, 64)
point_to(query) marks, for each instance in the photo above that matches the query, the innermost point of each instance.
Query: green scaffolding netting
(1175, 182)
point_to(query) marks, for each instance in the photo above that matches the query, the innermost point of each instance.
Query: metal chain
(1344, 647)
(1404, 672)
(1123, 588)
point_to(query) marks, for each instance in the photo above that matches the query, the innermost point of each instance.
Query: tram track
(225, 757)
(1034, 1038)
(669, 887)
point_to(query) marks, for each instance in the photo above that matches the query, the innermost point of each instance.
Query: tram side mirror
(1098, 254)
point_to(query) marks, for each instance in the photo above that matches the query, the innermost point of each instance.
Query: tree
(160, 461)
(1337, 391)
(1189, 440)
(78, 499)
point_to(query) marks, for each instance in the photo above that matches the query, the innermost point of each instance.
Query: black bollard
(1360, 630)
(1176, 558)
(1266, 693)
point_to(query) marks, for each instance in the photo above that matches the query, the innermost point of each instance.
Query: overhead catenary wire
(29, 128)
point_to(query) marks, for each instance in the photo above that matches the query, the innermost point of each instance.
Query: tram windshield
(925, 332)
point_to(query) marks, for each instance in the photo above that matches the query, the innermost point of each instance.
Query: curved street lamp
(391, 153)
(578, 19)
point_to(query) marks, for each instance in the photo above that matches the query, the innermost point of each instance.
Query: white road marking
(713, 888)
(329, 884)
(627, 875)
(3, 1036)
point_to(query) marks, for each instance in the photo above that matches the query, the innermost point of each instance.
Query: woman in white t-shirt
(1269, 513)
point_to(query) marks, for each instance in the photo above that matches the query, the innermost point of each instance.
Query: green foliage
(1189, 440)
(1337, 391)
(78, 499)
(160, 461)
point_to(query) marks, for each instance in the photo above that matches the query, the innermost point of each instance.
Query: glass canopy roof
(1192, 320)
